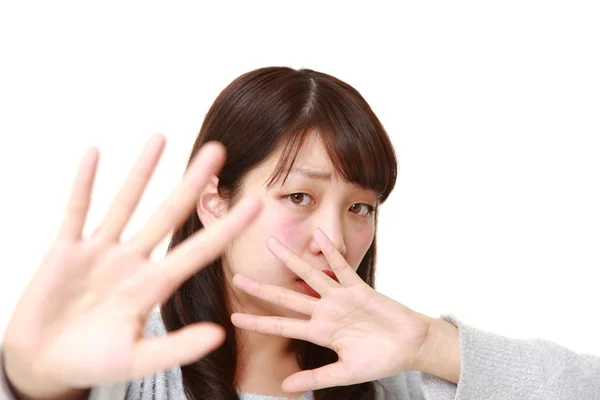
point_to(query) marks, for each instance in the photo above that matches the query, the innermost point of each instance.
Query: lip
(331, 274)
(306, 289)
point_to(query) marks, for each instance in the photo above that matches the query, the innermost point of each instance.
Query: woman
(311, 150)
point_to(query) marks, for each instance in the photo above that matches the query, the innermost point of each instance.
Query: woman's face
(313, 196)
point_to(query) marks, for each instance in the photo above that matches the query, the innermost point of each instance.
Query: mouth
(303, 287)
(331, 274)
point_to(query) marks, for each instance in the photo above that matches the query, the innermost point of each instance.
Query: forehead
(312, 156)
(312, 164)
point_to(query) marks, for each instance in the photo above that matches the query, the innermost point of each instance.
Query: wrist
(29, 386)
(440, 352)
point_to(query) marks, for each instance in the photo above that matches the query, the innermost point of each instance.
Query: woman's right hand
(80, 321)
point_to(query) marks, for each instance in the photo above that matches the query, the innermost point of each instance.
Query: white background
(494, 109)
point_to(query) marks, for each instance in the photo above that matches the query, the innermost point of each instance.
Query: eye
(362, 209)
(301, 199)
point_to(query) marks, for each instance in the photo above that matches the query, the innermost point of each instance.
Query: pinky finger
(181, 347)
(79, 200)
(328, 376)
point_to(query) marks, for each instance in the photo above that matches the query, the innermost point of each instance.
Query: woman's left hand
(373, 335)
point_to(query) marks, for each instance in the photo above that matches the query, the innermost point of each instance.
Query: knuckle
(278, 327)
(282, 298)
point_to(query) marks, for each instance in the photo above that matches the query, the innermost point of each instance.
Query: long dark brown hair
(258, 113)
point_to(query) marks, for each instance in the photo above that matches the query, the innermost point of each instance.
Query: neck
(263, 364)
(261, 356)
(264, 361)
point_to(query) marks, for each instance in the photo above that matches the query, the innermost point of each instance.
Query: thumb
(330, 375)
(181, 347)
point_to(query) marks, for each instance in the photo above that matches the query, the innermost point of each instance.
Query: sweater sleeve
(495, 367)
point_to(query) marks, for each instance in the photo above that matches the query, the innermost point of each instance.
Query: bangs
(354, 139)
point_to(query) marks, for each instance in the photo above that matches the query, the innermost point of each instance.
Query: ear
(210, 206)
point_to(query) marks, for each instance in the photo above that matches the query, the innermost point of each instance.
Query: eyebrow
(311, 173)
(316, 174)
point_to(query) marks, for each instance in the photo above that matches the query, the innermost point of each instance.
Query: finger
(277, 295)
(160, 280)
(79, 200)
(316, 279)
(131, 191)
(343, 271)
(328, 376)
(182, 347)
(274, 326)
(180, 203)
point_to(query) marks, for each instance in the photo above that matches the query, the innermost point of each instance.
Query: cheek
(266, 267)
(358, 242)
(289, 231)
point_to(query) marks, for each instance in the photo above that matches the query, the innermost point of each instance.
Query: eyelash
(370, 208)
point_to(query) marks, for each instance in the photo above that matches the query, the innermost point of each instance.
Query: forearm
(494, 367)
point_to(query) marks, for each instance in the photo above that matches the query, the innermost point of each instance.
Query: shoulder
(154, 325)
(415, 385)
(405, 385)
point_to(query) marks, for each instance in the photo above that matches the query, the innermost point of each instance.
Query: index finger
(343, 271)
(178, 206)
(316, 279)
(158, 282)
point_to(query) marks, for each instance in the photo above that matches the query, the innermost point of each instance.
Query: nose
(332, 226)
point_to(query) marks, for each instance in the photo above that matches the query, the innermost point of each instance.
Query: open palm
(80, 321)
(373, 335)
